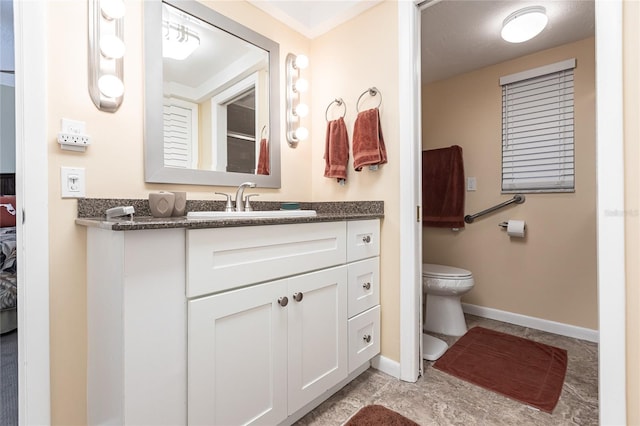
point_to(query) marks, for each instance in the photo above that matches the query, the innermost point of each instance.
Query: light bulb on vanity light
(111, 86)
(111, 47)
(302, 110)
(301, 62)
(302, 133)
(112, 9)
(301, 85)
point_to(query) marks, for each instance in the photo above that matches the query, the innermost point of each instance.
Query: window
(538, 129)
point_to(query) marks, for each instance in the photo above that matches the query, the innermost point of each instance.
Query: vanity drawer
(364, 285)
(220, 259)
(364, 337)
(363, 239)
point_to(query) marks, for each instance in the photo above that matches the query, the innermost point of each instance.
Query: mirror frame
(154, 169)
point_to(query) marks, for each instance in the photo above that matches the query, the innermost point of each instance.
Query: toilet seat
(430, 270)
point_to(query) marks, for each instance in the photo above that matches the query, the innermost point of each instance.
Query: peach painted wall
(346, 62)
(631, 70)
(114, 169)
(551, 274)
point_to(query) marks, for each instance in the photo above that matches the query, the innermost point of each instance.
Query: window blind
(177, 136)
(538, 130)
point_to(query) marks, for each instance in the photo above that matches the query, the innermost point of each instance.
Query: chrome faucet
(240, 192)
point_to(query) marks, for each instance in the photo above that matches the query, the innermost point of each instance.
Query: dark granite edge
(157, 223)
(91, 213)
(95, 207)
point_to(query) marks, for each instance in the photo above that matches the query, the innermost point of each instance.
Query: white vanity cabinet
(225, 326)
(260, 353)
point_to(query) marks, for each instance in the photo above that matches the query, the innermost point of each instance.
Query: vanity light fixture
(178, 41)
(295, 109)
(524, 24)
(106, 52)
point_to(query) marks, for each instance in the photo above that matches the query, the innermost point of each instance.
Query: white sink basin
(251, 214)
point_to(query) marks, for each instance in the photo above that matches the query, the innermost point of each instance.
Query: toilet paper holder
(514, 228)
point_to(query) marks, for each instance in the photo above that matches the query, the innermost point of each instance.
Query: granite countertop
(91, 214)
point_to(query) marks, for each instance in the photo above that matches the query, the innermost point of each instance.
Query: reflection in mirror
(211, 106)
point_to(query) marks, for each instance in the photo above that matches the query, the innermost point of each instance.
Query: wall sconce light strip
(106, 51)
(295, 109)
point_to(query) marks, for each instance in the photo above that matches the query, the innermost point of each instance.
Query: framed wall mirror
(211, 98)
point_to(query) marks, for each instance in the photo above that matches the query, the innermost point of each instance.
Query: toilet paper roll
(516, 228)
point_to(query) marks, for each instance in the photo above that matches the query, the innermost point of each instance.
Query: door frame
(610, 197)
(34, 387)
(410, 191)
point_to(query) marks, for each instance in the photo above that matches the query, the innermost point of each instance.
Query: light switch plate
(72, 182)
(471, 184)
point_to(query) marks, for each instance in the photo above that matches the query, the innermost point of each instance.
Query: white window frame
(538, 119)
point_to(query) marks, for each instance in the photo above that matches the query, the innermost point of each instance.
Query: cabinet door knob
(366, 338)
(366, 239)
(297, 296)
(283, 301)
(366, 286)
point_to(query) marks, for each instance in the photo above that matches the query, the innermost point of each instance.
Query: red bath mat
(518, 368)
(377, 415)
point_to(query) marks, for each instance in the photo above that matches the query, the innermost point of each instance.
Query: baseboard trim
(532, 322)
(386, 365)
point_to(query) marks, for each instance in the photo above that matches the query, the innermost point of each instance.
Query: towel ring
(338, 102)
(372, 91)
(262, 135)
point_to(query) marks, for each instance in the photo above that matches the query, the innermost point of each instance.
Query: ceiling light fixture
(524, 24)
(178, 41)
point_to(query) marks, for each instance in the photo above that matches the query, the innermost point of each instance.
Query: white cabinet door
(237, 351)
(317, 334)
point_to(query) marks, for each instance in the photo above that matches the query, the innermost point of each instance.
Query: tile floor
(440, 399)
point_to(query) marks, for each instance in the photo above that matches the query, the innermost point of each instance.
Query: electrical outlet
(72, 136)
(72, 182)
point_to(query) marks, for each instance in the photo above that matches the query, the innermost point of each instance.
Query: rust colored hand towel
(443, 187)
(263, 158)
(368, 143)
(336, 153)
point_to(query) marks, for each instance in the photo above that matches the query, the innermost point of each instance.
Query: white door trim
(610, 228)
(610, 217)
(410, 191)
(30, 30)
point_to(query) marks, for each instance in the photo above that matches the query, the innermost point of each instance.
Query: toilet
(443, 287)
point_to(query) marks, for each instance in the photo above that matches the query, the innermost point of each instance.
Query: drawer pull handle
(366, 239)
(283, 301)
(366, 286)
(297, 296)
(366, 338)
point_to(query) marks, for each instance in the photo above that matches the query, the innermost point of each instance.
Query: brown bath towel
(368, 143)
(443, 187)
(263, 158)
(336, 153)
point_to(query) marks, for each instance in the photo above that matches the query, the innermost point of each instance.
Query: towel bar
(518, 199)
(372, 91)
(338, 102)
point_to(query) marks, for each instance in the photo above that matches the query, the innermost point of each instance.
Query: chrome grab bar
(518, 199)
